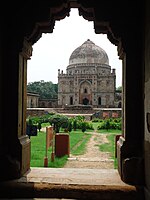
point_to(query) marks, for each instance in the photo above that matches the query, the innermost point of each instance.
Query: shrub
(110, 124)
(95, 120)
(83, 127)
(74, 124)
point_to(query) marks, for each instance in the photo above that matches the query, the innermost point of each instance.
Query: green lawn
(78, 141)
(110, 147)
(38, 148)
(103, 131)
(95, 125)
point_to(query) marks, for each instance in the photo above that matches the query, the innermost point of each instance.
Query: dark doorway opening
(85, 101)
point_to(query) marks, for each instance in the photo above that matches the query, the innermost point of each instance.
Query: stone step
(66, 183)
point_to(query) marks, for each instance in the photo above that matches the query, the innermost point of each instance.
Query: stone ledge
(70, 183)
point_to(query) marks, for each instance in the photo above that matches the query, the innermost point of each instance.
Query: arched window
(85, 90)
(99, 100)
(31, 104)
(71, 100)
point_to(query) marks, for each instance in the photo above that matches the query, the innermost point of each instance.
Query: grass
(38, 149)
(110, 147)
(78, 141)
(103, 131)
(82, 147)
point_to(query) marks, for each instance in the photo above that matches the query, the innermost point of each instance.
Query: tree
(57, 121)
(46, 90)
(119, 89)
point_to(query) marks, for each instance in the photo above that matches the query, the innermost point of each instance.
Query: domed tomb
(88, 80)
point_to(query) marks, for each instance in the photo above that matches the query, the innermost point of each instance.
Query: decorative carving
(84, 80)
(87, 13)
(27, 50)
(47, 26)
(120, 50)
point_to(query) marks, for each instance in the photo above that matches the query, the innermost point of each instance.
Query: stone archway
(125, 53)
(85, 101)
(85, 92)
(121, 32)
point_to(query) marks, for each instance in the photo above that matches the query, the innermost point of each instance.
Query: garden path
(93, 157)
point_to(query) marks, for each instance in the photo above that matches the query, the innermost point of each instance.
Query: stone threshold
(71, 183)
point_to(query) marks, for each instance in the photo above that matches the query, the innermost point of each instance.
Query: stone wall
(147, 103)
(107, 113)
(35, 112)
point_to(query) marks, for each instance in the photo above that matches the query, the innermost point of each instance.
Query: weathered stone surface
(89, 79)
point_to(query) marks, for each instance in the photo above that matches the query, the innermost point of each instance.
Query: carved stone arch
(84, 82)
(42, 20)
(85, 98)
(47, 26)
(59, 11)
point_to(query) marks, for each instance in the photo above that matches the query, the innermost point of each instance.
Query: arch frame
(125, 35)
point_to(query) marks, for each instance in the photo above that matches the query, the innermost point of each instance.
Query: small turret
(113, 71)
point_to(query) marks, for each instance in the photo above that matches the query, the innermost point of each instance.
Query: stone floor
(73, 176)
(70, 183)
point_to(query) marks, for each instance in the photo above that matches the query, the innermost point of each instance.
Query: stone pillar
(22, 106)
(147, 102)
(130, 144)
(14, 144)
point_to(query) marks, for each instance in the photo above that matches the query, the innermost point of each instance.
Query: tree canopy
(119, 88)
(46, 90)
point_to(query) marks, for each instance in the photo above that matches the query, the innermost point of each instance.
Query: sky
(52, 51)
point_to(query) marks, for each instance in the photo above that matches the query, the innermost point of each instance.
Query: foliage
(40, 119)
(46, 90)
(119, 88)
(61, 121)
(107, 124)
(58, 121)
(39, 126)
(29, 121)
(74, 124)
(77, 123)
(69, 126)
(110, 124)
(95, 120)
(83, 127)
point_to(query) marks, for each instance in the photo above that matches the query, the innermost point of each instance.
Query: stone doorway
(126, 35)
(85, 101)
